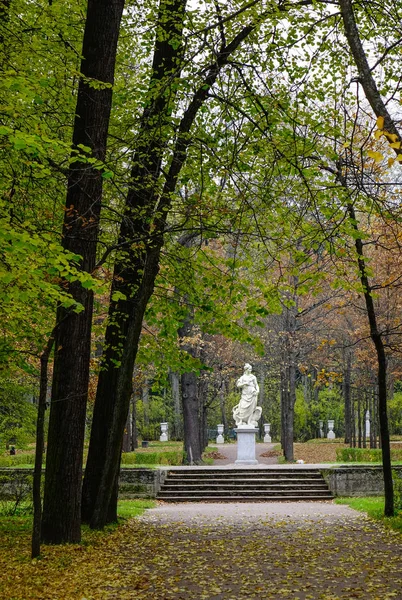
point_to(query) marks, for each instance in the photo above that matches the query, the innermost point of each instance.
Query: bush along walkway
(216, 552)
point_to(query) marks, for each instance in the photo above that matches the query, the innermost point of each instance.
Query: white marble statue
(247, 413)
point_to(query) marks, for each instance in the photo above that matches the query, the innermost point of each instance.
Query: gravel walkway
(257, 551)
(246, 513)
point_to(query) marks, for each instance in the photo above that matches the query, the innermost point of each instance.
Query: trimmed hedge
(173, 457)
(365, 454)
(152, 458)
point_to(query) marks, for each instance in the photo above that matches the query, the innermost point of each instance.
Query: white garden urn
(321, 425)
(220, 439)
(164, 437)
(331, 434)
(267, 429)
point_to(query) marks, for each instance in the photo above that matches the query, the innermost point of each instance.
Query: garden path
(257, 551)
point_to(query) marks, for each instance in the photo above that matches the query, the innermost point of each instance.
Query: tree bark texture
(366, 78)
(287, 410)
(134, 435)
(142, 231)
(39, 448)
(135, 270)
(62, 497)
(288, 374)
(376, 337)
(347, 396)
(145, 401)
(359, 419)
(174, 378)
(127, 433)
(379, 108)
(192, 417)
(222, 404)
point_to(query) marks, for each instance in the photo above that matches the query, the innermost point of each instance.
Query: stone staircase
(244, 485)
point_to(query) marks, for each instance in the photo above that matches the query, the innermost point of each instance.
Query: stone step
(201, 481)
(205, 498)
(245, 490)
(242, 483)
(232, 484)
(242, 475)
(256, 471)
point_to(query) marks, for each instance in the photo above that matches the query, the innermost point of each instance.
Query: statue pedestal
(246, 446)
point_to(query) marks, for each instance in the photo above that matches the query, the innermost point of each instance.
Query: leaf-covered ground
(229, 552)
(315, 453)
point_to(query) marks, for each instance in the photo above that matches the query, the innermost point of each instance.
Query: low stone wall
(342, 481)
(133, 483)
(140, 483)
(145, 483)
(356, 480)
(15, 483)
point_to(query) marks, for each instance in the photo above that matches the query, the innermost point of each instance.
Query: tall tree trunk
(373, 413)
(40, 445)
(347, 396)
(359, 419)
(284, 402)
(222, 395)
(62, 497)
(203, 386)
(287, 410)
(190, 399)
(289, 353)
(191, 419)
(376, 337)
(134, 435)
(127, 433)
(376, 102)
(136, 270)
(175, 387)
(366, 78)
(145, 401)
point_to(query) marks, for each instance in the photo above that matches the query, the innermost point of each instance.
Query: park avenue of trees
(184, 187)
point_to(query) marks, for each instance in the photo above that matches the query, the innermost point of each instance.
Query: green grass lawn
(133, 508)
(374, 508)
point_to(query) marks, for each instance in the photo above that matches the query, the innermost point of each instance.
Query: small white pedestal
(246, 446)
(267, 436)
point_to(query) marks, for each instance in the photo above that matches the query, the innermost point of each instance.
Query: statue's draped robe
(247, 412)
